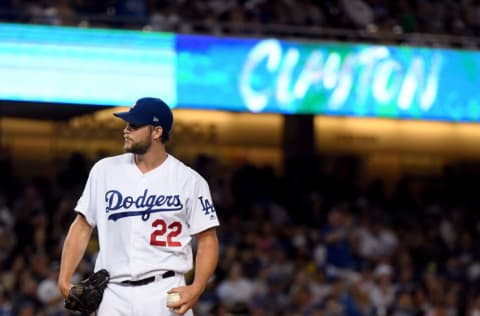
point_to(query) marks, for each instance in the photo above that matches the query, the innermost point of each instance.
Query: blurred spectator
(7, 243)
(337, 235)
(49, 294)
(357, 301)
(209, 299)
(302, 302)
(374, 241)
(5, 304)
(236, 291)
(383, 292)
(403, 305)
(6, 217)
(43, 12)
(281, 265)
(25, 300)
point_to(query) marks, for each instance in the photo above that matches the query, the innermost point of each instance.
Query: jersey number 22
(158, 238)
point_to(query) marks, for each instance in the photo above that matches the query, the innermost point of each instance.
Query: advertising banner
(269, 75)
(85, 66)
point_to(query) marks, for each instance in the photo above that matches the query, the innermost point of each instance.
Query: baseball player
(147, 206)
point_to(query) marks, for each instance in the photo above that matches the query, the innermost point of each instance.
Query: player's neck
(150, 160)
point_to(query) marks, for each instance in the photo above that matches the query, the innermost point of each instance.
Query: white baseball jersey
(145, 220)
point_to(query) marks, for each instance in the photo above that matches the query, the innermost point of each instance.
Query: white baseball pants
(141, 300)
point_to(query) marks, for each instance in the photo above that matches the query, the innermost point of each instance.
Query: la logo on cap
(155, 119)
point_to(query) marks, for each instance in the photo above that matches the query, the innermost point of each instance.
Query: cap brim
(128, 117)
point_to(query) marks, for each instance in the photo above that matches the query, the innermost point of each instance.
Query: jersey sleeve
(86, 202)
(202, 214)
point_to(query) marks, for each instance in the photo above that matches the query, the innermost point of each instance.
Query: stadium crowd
(447, 17)
(307, 242)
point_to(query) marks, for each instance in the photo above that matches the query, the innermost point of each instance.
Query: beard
(138, 148)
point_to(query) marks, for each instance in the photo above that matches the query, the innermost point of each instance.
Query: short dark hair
(165, 136)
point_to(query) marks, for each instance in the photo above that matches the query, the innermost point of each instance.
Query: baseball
(173, 298)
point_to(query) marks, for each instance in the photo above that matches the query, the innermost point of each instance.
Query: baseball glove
(86, 296)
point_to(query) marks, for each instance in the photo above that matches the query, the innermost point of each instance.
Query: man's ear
(157, 132)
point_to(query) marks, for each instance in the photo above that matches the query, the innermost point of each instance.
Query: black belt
(167, 274)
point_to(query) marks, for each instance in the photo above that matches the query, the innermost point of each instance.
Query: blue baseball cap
(149, 111)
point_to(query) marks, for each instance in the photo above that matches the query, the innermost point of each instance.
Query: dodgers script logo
(142, 205)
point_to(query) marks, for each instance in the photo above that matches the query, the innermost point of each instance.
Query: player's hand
(189, 296)
(65, 288)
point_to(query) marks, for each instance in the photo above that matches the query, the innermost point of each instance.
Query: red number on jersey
(174, 229)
